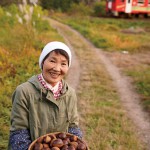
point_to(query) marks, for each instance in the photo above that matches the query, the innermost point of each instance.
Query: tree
(8, 2)
(63, 5)
(47, 4)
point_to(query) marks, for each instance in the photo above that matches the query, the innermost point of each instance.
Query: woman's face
(55, 67)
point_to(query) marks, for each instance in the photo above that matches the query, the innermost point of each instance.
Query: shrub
(99, 9)
(80, 9)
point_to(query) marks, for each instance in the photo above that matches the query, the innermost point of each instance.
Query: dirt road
(130, 99)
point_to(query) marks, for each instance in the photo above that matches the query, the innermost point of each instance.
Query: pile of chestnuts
(58, 141)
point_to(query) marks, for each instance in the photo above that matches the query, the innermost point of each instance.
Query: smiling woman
(45, 103)
(55, 67)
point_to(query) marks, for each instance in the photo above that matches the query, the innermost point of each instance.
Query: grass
(108, 34)
(142, 80)
(103, 120)
(105, 124)
(20, 47)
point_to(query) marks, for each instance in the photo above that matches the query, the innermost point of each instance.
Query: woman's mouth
(54, 74)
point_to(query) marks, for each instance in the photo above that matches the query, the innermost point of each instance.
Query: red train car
(128, 7)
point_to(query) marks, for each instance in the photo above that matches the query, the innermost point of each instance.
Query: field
(19, 54)
(118, 37)
(103, 118)
(20, 47)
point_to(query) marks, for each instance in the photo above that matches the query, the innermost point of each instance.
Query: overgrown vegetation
(20, 46)
(118, 35)
(23, 34)
(102, 117)
(109, 34)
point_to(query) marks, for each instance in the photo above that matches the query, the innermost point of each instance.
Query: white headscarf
(52, 46)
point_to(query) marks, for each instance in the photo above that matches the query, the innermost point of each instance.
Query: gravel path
(128, 96)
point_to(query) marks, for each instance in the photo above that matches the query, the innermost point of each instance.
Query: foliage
(36, 19)
(142, 82)
(19, 54)
(102, 118)
(110, 33)
(80, 9)
(20, 47)
(8, 2)
(62, 5)
(6, 18)
(118, 35)
(99, 9)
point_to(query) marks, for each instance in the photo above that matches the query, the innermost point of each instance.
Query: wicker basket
(31, 147)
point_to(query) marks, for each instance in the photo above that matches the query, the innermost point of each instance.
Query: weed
(20, 47)
(113, 35)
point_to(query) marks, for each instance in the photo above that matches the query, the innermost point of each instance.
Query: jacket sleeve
(19, 129)
(76, 131)
(74, 119)
(20, 140)
(20, 109)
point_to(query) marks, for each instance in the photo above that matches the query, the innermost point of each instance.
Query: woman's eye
(52, 61)
(63, 64)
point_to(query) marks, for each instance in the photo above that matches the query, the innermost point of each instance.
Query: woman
(45, 103)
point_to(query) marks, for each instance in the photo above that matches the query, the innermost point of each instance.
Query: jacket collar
(34, 80)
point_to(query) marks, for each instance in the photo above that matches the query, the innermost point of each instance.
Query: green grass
(105, 123)
(106, 33)
(142, 80)
(102, 118)
(20, 47)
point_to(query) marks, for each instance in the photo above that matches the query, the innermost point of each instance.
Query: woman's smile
(55, 67)
(54, 74)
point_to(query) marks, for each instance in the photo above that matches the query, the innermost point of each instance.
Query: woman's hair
(57, 51)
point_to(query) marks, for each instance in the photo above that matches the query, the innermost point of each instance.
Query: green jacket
(35, 108)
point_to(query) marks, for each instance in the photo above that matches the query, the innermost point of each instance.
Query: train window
(122, 0)
(128, 1)
(140, 1)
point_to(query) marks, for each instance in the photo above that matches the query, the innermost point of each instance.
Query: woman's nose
(57, 67)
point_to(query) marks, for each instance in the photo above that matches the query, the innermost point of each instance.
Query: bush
(20, 47)
(99, 9)
(80, 9)
(62, 5)
(37, 21)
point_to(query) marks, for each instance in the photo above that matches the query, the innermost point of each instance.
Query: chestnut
(47, 139)
(47, 148)
(45, 145)
(71, 148)
(52, 136)
(38, 146)
(65, 141)
(51, 142)
(74, 144)
(55, 148)
(62, 135)
(68, 139)
(81, 146)
(65, 147)
(40, 140)
(57, 143)
(73, 138)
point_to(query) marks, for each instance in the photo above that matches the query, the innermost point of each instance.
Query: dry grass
(105, 124)
(102, 118)
(119, 36)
